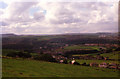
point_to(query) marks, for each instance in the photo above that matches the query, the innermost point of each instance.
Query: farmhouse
(106, 58)
(94, 64)
(61, 61)
(73, 61)
(104, 65)
(99, 57)
(113, 66)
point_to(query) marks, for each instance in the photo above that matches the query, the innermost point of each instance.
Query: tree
(45, 57)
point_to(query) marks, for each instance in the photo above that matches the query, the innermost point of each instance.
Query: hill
(32, 68)
(7, 35)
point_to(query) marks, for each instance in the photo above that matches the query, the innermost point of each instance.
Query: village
(70, 51)
(63, 60)
(73, 61)
(60, 58)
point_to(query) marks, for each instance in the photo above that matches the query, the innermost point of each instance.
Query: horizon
(58, 34)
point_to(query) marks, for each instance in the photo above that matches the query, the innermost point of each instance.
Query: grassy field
(92, 54)
(96, 61)
(112, 55)
(74, 47)
(32, 68)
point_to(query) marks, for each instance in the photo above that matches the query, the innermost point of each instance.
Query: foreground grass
(32, 68)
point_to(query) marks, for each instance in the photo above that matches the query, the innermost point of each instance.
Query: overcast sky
(58, 17)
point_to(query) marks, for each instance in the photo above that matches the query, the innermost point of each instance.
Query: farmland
(75, 47)
(112, 55)
(52, 56)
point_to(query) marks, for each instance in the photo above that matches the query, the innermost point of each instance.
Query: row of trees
(19, 54)
(70, 53)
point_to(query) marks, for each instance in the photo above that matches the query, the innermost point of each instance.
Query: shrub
(19, 54)
(84, 64)
(45, 57)
(13, 54)
(65, 61)
(24, 55)
(76, 63)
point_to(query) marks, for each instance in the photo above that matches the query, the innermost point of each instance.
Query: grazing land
(112, 55)
(32, 68)
(75, 47)
(96, 61)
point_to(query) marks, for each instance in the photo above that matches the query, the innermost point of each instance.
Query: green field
(112, 55)
(75, 47)
(93, 54)
(32, 68)
(96, 61)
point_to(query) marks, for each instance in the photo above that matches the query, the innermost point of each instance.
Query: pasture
(76, 47)
(33, 68)
(96, 61)
(112, 55)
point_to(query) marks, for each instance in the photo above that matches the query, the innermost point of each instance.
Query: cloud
(59, 17)
(18, 11)
(3, 23)
(39, 16)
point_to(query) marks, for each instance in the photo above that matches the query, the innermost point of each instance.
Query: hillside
(32, 68)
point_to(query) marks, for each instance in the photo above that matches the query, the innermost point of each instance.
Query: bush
(76, 63)
(24, 55)
(84, 64)
(117, 49)
(13, 54)
(45, 57)
(19, 54)
(109, 50)
(65, 61)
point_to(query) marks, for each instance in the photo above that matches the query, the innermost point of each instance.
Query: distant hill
(99, 33)
(7, 35)
(107, 33)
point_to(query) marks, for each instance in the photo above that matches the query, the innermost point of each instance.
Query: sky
(43, 17)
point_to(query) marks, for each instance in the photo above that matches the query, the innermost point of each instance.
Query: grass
(96, 61)
(32, 68)
(75, 47)
(112, 55)
(93, 54)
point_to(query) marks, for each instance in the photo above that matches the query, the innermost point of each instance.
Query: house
(61, 61)
(102, 36)
(119, 67)
(99, 57)
(73, 61)
(94, 64)
(106, 58)
(104, 65)
(113, 66)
